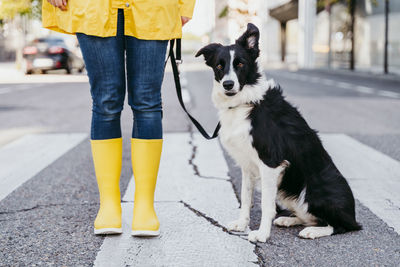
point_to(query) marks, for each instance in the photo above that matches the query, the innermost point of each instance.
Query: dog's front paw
(308, 233)
(238, 225)
(258, 235)
(286, 221)
(313, 232)
(285, 164)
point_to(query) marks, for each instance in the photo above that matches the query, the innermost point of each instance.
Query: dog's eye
(240, 65)
(219, 67)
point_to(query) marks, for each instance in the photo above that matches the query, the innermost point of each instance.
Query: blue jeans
(105, 63)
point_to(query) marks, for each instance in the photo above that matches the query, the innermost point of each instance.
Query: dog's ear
(208, 52)
(250, 39)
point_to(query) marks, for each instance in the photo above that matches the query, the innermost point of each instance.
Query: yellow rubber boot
(145, 162)
(107, 158)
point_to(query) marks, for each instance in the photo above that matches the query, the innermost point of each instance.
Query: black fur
(252, 48)
(280, 133)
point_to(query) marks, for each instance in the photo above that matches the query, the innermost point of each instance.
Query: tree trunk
(386, 63)
(352, 9)
(329, 10)
(283, 41)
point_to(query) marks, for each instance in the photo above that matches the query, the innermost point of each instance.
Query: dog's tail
(346, 223)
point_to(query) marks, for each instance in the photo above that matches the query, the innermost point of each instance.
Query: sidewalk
(393, 75)
(9, 74)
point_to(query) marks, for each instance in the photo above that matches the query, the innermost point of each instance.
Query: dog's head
(235, 65)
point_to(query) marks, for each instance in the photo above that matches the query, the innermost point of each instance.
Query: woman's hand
(184, 20)
(61, 4)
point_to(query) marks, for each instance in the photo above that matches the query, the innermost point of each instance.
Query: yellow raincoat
(144, 19)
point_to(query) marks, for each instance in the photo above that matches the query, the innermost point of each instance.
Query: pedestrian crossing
(195, 199)
(27, 156)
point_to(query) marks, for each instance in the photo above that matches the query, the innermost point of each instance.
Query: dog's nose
(228, 85)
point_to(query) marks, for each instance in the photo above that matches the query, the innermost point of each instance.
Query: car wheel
(68, 68)
(24, 67)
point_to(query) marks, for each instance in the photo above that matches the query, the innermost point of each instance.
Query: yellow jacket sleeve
(187, 7)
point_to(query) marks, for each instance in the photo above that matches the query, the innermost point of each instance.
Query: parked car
(50, 53)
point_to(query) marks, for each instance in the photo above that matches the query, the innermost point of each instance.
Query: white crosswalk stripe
(5, 90)
(373, 176)
(27, 156)
(343, 85)
(365, 89)
(19, 87)
(388, 94)
(186, 238)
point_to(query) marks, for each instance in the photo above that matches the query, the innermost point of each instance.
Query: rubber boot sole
(108, 231)
(145, 233)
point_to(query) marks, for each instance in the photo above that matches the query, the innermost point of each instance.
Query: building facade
(287, 39)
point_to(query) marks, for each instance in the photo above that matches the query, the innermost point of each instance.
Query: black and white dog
(270, 140)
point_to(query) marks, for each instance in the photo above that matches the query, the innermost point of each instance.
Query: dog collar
(245, 104)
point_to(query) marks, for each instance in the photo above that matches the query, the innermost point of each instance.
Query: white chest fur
(235, 135)
(235, 131)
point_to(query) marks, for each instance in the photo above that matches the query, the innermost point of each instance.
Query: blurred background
(353, 34)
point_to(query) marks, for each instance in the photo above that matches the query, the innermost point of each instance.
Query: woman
(107, 30)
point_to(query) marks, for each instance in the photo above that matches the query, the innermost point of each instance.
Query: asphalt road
(48, 219)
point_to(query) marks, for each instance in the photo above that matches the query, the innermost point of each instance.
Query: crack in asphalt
(193, 157)
(257, 248)
(392, 204)
(38, 206)
(210, 220)
(257, 251)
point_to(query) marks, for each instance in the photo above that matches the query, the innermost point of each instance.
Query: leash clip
(179, 61)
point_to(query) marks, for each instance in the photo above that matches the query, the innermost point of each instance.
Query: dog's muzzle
(228, 86)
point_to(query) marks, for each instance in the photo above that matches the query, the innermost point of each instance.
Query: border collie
(271, 141)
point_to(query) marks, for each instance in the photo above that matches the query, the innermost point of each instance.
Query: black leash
(174, 61)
